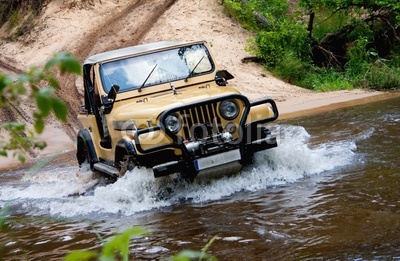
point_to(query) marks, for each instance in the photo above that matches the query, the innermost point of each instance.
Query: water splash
(50, 183)
(50, 191)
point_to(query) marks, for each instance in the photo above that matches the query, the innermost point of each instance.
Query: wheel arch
(124, 147)
(85, 148)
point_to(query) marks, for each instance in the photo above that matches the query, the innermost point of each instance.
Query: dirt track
(123, 29)
(13, 112)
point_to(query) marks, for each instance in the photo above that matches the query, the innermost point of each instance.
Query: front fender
(124, 147)
(85, 148)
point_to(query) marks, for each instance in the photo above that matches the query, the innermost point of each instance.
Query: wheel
(188, 177)
(126, 164)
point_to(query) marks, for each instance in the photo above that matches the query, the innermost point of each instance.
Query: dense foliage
(19, 15)
(325, 44)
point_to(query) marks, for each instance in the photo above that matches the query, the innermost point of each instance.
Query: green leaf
(23, 78)
(4, 81)
(36, 74)
(40, 145)
(50, 63)
(80, 255)
(205, 248)
(39, 124)
(60, 109)
(20, 156)
(66, 62)
(14, 126)
(187, 255)
(3, 214)
(120, 244)
(3, 153)
(43, 100)
(15, 86)
(53, 81)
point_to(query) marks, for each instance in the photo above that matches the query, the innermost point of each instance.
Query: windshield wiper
(194, 68)
(140, 88)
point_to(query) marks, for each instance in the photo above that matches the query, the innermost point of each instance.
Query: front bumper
(197, 165)
(194, 159)
(194, 166)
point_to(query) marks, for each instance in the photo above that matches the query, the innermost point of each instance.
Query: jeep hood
(150, 107)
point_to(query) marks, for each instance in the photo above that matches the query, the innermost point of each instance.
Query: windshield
(156, 68)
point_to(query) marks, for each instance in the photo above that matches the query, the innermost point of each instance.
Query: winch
(213, 143)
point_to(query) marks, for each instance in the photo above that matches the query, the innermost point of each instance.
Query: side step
(106, 169)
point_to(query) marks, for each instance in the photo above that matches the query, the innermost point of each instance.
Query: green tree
(324, 44)
(359, 38)
(39, 84)
(337, 26)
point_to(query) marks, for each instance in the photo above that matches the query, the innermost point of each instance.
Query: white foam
(138, 191)
(50, 184)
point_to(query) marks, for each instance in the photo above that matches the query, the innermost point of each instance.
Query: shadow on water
(329, 191)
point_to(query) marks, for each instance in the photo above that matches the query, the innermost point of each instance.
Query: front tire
(127, 163)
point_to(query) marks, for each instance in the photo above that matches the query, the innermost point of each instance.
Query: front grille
(201, 121)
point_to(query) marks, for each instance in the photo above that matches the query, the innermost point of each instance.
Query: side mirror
(108, 101)
(112, 94)
(222, 77)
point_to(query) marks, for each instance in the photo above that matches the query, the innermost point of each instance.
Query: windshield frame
(173, 64)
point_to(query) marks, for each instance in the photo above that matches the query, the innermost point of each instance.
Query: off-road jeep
(166, 106)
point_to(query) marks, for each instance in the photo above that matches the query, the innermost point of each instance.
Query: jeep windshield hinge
(173, 88)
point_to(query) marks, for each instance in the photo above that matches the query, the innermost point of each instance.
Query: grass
(326, 80)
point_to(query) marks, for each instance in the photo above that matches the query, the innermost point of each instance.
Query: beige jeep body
(166, 106)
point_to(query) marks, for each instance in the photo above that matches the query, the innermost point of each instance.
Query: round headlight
(229, 109)
(173, 123)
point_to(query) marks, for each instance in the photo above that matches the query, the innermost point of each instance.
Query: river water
(331, 190)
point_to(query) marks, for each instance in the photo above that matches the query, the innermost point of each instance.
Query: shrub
(381, 77)
(240, 12)
(290, 68)
(356, 45)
